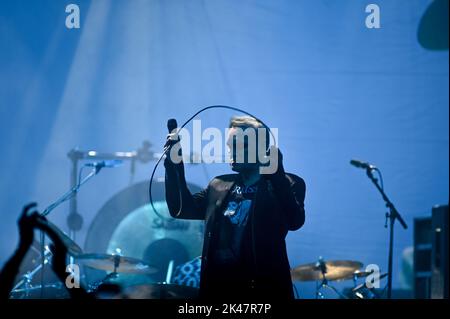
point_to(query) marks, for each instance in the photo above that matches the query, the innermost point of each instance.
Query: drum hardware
(74, 219)
(361, 274)
(116, 264)
(94, 288)
(339, 270)
(127, 221)
(322, 266)
(143, 155)
(119, 264)
(169, 271)
(72, 248)
(325, 271)
(25, 286)
(362, 291)
(33, 292)
(130, 220)
(334, 270)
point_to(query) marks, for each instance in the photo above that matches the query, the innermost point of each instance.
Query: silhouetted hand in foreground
(26, 223)
(59, 251)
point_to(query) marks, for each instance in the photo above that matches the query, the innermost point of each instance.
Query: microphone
(171, 126)
(101, 164)
(361, 164)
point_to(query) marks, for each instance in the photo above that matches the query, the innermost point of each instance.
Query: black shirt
(233, 253)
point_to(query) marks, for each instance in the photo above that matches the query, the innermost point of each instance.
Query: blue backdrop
(335, 89)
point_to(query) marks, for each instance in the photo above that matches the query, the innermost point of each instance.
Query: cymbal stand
(28, 277)
(324, 284)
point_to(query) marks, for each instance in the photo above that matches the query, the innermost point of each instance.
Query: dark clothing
(232, 256)
(232, 245)
(260, 267)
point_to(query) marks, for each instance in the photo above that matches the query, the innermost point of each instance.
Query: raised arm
(290, 191)
(9, 272)
(180, 201)
(192, 206)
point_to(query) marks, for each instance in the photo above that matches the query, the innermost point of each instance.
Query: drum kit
(322, 272)
(153, 248)
(109, 287)
(112, 288)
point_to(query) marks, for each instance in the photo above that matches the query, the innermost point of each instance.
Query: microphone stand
(71, 192)
(393, 215)
(66, 196)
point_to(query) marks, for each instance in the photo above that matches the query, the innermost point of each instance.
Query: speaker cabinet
(422, 257)
(439, 253)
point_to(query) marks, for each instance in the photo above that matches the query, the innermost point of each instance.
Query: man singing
(247, 217)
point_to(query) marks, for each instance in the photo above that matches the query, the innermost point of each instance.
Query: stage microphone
(171, 126)
(361, 164)
(101, 164)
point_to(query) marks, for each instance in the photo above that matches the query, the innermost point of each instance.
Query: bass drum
(127, 225)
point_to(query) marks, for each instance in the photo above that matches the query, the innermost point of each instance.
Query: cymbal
(156, 241)
(334, 270)
(72, 248)
(116, 263)
(160, 291)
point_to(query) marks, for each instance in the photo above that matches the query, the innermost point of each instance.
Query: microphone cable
(167, 148)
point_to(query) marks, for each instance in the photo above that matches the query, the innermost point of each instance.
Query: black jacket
(278, 208)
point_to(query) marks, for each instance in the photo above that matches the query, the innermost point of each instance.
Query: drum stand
(25, 285)
(324, 283)
(93, 288)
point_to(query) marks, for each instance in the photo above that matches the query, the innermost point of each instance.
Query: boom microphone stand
(392, 215)
(66, 196)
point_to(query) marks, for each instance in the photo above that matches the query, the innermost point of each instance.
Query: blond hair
(245, 122)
